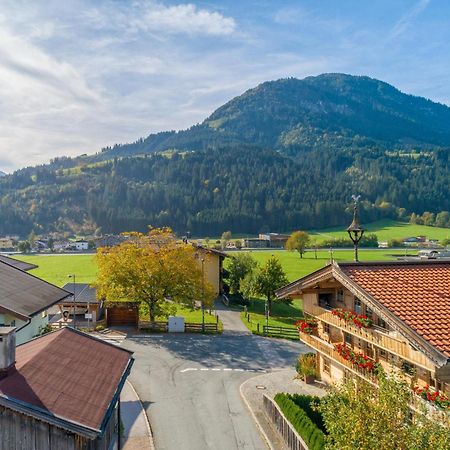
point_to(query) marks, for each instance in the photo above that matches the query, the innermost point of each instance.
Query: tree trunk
(269, 304)
(151, 311)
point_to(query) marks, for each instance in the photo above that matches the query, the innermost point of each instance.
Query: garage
(122, 314)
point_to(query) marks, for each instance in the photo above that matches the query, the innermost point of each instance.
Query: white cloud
(186, 18)
(408, 18)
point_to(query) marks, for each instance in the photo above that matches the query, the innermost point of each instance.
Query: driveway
(189, 385)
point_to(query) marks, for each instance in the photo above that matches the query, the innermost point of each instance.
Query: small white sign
(88, 316)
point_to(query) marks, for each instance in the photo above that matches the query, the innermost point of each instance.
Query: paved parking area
(189, 385)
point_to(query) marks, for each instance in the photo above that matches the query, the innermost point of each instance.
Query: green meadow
(387, 230)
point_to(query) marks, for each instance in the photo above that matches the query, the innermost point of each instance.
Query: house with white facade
(24, 301)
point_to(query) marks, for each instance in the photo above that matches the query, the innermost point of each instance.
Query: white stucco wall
(27, 333)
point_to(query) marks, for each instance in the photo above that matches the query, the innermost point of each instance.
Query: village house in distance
(396, 314)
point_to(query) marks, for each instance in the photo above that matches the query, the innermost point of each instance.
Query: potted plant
(306, 367)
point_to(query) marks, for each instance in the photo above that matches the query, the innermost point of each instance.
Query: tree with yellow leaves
(154, 269)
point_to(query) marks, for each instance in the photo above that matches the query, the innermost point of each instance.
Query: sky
(78, 75)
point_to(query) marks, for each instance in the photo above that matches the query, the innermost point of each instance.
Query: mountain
(286, 155)
(2, 174)
(327, 111)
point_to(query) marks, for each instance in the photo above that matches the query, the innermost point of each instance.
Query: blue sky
(78, 75)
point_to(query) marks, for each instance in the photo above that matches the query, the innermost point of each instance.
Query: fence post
(248, 318)
(257, 327)
(217, 319)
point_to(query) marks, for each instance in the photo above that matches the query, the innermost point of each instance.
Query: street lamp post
(203, 295)
(74, 303)
(355, 231)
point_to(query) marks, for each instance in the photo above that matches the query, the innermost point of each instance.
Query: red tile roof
(418, 294)
(68, 374)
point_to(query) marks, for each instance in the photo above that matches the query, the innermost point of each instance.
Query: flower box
(358, 359)
(307, 326)
(359, 320)
(435, 397)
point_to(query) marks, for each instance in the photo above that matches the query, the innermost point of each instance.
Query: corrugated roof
(68, 374)
(83, 293)
(25, 294)
(418, 294)
(22, 265)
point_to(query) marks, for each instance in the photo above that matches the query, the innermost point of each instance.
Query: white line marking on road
(227, 369)
(188, 369)
(204, 368)
(215, 369)
(238, 370)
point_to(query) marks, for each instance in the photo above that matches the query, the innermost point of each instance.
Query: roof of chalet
(417, 293)
(83, 293)
(24, 295)
(67, 378)
(22, 265)
(211, 250)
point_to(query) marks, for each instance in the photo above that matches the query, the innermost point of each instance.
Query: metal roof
(83, 293)
(25, 295)
(22, 265)
(67, 378)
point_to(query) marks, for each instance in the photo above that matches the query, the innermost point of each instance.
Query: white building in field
(24, 301)
(80, 245)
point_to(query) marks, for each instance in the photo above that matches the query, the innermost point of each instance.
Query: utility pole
(74, 302)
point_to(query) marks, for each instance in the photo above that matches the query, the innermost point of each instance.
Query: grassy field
(387, 230)
(283, 315)
(296, 267)
(56, 268)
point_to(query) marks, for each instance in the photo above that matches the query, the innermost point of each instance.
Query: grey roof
(25, 295)
(83, 293)
(22, 265)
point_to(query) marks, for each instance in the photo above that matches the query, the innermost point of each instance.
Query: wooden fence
(292, 439)
(283, 332)
(163, 327)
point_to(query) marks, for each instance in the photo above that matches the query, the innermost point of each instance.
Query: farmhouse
(24, 301)
(212, 262)
(395, 314)
(60, 391)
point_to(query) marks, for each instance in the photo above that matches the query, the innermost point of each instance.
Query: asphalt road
(189, 385)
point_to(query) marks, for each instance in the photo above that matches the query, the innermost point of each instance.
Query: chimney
(7, 350)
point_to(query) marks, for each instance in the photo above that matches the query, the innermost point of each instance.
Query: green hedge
(305, 425)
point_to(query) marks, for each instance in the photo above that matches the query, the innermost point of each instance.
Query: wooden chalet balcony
(376, 335)
(328, 350)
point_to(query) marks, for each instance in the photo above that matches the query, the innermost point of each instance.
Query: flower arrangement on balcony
(433, 396)
(307, 326)
(359, 320)
(356, 358)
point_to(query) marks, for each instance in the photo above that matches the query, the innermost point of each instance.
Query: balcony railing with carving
(373, 334)
(366, 370)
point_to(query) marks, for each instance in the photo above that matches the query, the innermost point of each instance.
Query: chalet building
(212, 261)
(396, 314)
(25, 299)
(61, 391)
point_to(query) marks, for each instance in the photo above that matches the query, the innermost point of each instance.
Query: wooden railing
(292, 439)
(376, 335)
(328, 350)
(282, 332)
(163, 327)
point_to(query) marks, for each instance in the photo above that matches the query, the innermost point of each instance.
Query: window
(357, 305)
(382, 354)
(348, 339)
(326, 366)
(408, 368)
(381, 323)
(369, 312)
(340, 295)
(326, 328)
(325, 299)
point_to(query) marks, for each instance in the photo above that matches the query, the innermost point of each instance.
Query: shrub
(306, 364)
(304, 424)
